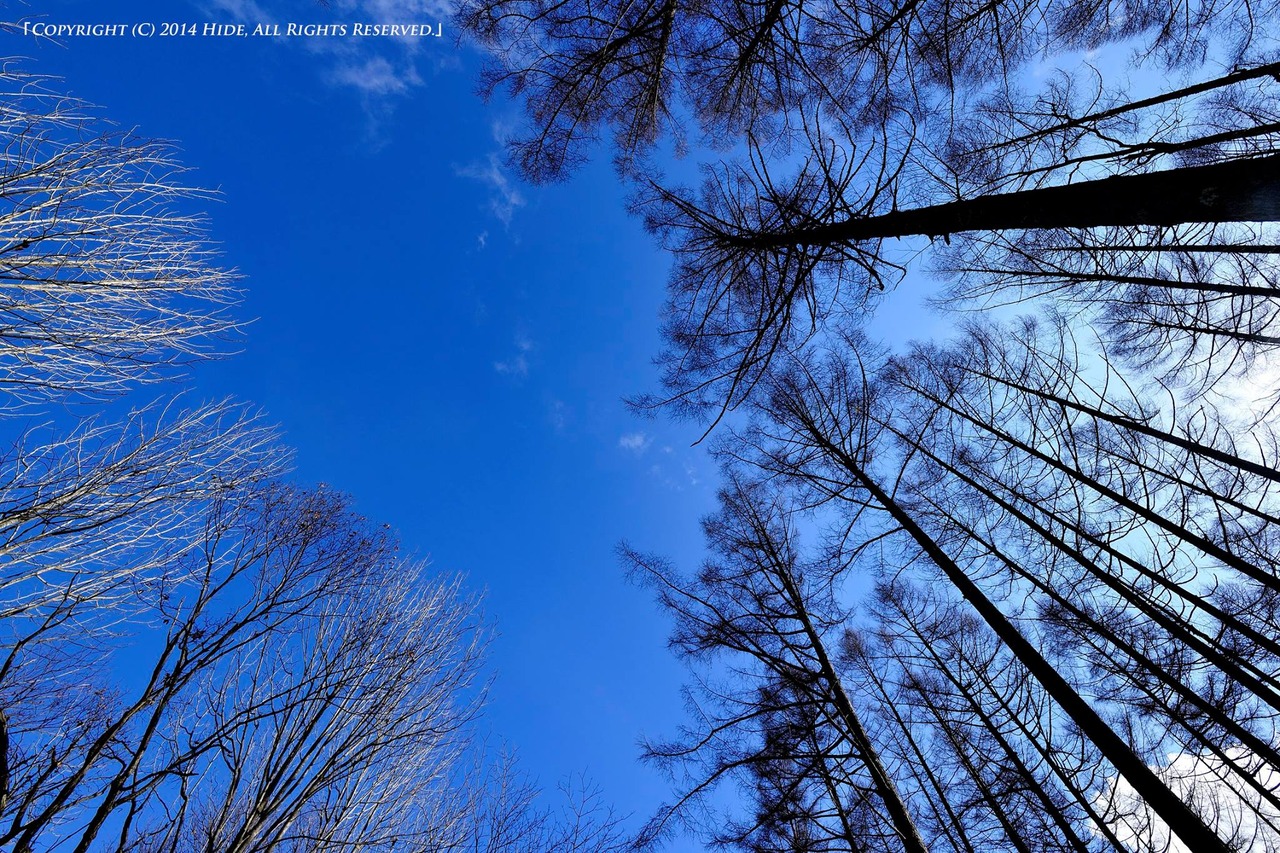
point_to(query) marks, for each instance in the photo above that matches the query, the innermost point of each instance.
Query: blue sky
(445, 344)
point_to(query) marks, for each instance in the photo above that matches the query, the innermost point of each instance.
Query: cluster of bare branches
(106, 278)
(647, 71)
(195, 655)
(1040, 612)
(1038, 607)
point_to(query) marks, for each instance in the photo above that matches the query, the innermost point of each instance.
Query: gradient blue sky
(442, 342)
(445, 344)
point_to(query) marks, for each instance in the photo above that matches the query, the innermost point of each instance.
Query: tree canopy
(1038, 607)
(198, 655)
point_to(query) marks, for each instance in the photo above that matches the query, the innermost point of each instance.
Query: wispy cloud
(518, 364)
(635, 442)
(376, 76)
(505, 197)
(243, 11)
(399, 11)
(673, 470)
(559, 414)
(379, 69)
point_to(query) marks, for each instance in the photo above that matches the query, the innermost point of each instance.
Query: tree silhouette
(738, 69)
(197, 656)
(1063, 532)
(764, 263)
(788, 726)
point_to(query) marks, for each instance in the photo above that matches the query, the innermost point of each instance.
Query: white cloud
(1236, 811)
(518, 364)
(377, 76)
(505, 197)
(635, 442)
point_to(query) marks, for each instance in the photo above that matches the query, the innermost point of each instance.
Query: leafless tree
(295, 684)
(105, 279)
(509, 813)
(330, 685)
(765, 262)
(1098, 534)
(1013, 778)
(195, 655)
(779, 720)
(106, 282)
(1078, 533)
(737, 69)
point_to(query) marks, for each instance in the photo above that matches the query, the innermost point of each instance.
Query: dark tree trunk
(1267, 579)
(1184, 822)
(1237, 191)
(903, 823)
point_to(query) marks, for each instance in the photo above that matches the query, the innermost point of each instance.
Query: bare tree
(1100, 537)
(330, 686)
(106, 284)
(104, 278)
(508, 813)
(1011, 776)
(197, 656)
(1067, 525)
(781, 721)
(300, 686)
(753, 69)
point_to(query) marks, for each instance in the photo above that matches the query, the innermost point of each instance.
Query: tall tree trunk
(1184, 823)
(903, 823)
(1236, 191)
(1267, 579)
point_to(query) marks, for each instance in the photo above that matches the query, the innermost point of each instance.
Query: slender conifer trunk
(1237, 191)
(1184, 822)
